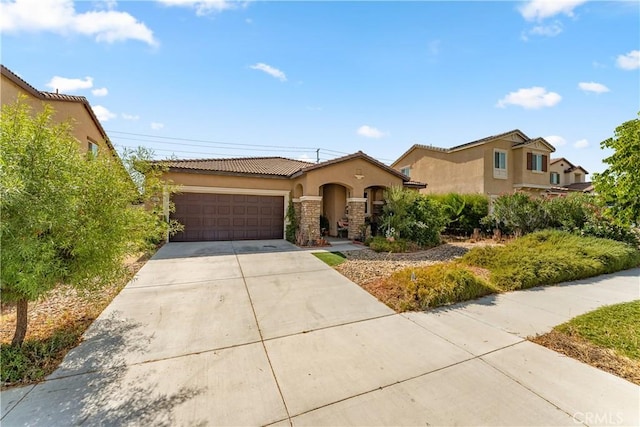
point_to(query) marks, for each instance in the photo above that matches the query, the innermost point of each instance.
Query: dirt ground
(63, 306)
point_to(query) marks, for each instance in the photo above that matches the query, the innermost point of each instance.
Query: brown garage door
(209, 217)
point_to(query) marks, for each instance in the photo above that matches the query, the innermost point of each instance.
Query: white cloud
(204, 7)
(130, 116)
(274, 72)
(64, 84)
(630, 61)
(60, 16)
(370, 132)
(103, 91)
(103, 114)
(593, 87)
(530, 98)
(550, 30)
(583, 143)
(157, 126)
(542, 9)
(304, 158)
(555, 140)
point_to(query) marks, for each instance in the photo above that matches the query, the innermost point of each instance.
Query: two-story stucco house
(565, 176)
(86, 127)
(495, 165)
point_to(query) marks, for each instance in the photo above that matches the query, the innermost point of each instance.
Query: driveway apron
(261, 333)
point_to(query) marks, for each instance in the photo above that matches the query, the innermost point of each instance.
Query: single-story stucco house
(247, 198)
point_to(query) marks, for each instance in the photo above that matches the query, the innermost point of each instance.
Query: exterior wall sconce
(358, 174)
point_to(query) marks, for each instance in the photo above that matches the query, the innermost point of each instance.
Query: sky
(218, 78)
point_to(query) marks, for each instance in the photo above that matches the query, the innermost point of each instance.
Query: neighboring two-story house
(495, 165)
(565, 176)
(86, 126)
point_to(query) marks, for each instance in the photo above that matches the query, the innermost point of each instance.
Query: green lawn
(331, 258)
(616, 327)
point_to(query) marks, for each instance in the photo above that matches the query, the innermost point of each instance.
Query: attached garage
(209, 217)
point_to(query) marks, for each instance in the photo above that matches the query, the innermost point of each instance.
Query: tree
(66, 217)
(619, 184)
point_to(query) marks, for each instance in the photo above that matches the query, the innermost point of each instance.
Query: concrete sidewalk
(260, 333)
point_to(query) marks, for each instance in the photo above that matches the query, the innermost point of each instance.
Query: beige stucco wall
(470, 170)
(460, 172)
(531, 178)
(84, 128)
(228, 181)
(344, 174)
(575, 176)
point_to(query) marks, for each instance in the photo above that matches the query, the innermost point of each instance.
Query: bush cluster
(437, 285)
(541, 258)
(463, 211)
(577, 213)
(549, 257)
(412, 216)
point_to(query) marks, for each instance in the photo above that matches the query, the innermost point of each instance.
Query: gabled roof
(50, 96)
(274, 166)
(531, 141)
(571, 167)
(358, 155)
(517, 132)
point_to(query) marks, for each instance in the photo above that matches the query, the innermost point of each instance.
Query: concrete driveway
(260, 333)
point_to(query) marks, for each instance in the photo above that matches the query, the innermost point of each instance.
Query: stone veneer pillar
(310, 211)
(356, 216)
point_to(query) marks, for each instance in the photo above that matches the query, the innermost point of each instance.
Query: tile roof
(458, 147)
(272, 166)
(275, 166)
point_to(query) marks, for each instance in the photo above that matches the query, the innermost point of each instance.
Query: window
(500, 164)
(406, 170)
(555, 178)
(92, 149)
(536, 162)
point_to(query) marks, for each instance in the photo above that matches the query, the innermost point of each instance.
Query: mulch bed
(63, 307)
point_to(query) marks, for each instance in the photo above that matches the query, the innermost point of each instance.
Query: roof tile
(276, 166)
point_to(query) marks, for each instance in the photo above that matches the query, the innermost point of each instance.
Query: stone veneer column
(310, 210)
(356, 216)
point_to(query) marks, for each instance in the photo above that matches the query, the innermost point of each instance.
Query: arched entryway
(335, 208)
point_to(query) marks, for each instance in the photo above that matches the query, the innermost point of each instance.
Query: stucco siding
(229, 181)
(83, 126)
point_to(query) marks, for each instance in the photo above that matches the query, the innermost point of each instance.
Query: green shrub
(411, 216)
(292, 225)
(36, 358)
(464, 212)
(428, 221)
(550, 257)
(437, 285)
(517, 213)
(570, 212)
(381, 244)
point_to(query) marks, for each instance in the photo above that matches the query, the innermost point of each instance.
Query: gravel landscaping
(365, 265)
